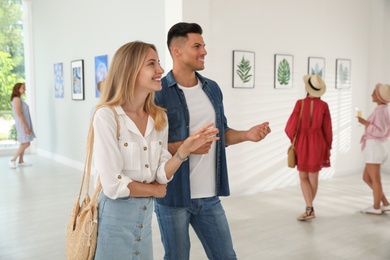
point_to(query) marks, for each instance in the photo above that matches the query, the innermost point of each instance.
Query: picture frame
(283, 71)
(316, 66)
(101, 70)
(58, 80)
(243, 69)
(77, 82)
(343, 73)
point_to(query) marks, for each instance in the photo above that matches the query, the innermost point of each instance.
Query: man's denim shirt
(173, 100)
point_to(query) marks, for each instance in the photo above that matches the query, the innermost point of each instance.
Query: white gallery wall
(347, 29)
(62, 31)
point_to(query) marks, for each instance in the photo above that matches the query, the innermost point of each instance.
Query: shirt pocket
(131, 155)
(155, 154)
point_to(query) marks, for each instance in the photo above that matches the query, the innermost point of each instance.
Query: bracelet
(180, 158)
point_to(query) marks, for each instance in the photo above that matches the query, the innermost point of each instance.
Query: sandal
(308, 214)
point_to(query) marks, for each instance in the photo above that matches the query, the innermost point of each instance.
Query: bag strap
(89, 153)
(299, 122)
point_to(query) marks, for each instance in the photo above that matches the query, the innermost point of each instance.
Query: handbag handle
(88, 156)
(299, 122)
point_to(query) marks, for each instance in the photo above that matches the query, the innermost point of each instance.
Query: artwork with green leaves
(343, 73)
(284, 68)
(243, 69)
(316, 66)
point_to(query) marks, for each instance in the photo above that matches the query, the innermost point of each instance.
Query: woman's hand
(362, 121)
(200, 139)
(27, 130)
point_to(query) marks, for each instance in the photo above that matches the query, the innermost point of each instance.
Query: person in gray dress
(23, 124)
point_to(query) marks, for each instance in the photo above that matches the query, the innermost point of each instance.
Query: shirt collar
(130, 124)
(172, 81)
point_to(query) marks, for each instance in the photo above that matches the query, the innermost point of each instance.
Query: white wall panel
(351, 29)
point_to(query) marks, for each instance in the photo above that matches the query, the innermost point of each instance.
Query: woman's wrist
(182, 154)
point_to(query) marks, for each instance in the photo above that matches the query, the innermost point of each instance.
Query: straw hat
(315, 86)
(382, 91)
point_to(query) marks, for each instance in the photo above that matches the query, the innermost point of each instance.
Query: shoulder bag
(81, 231)
(291, 155)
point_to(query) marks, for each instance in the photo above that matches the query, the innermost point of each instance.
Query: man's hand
(258, 132)
(160, 190)
(204, 149)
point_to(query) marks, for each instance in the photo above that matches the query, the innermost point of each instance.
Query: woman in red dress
(313, 141)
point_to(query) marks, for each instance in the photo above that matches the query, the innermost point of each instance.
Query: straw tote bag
(291, 155)
(81, 231)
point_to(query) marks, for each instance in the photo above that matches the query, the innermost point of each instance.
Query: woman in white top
(137, 168)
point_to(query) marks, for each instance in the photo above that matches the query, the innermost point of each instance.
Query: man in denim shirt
(193, 195)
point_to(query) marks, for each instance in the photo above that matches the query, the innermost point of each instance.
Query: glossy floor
(35, 203)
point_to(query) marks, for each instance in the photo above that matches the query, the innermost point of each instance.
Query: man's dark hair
(181, 30)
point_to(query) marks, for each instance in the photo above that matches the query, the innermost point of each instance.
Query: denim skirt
(124, 228)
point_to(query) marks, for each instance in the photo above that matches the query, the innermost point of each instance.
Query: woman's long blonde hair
(119, 84)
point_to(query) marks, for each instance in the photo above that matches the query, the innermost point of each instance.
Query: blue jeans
(207, 217)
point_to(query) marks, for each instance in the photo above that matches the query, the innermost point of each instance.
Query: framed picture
(243, 69)
(316, 66)
(77, 73)
(343, 73)
(58, 80)
(101, 70)
(283, 71)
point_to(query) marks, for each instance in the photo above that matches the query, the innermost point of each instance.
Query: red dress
(314, 139)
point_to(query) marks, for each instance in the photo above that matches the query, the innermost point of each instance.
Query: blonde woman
(376, 133)
(136, 169)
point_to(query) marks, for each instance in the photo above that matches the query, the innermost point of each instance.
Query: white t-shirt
(202, 166)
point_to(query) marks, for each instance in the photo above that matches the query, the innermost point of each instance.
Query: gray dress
(22, 136)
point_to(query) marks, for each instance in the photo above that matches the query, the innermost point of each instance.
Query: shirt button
(136, 253)
(140, 226)
(146, 165)
(145, 208)
(119, 177)
(125, 144)
(144, 181)
(138, 239)
(160, 143)
(145, 148)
